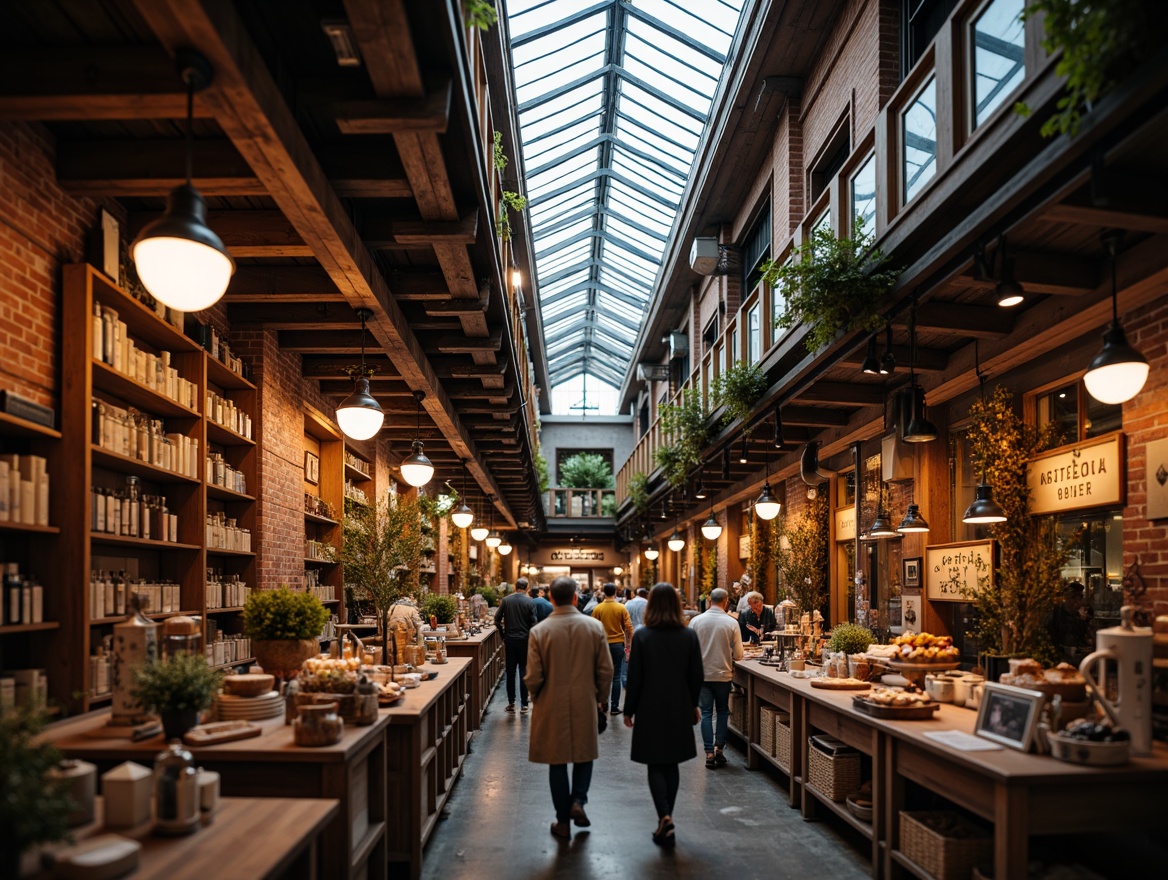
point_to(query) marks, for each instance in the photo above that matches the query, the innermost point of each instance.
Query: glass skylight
(613, 98)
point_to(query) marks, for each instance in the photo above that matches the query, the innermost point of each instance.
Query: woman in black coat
(661, 702)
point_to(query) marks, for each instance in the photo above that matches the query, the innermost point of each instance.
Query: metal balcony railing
(560, 502)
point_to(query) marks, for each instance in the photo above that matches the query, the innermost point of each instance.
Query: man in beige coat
(569, 672)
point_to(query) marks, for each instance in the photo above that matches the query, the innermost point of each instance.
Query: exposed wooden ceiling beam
(295, 316)
(250, 109)
(462, 345)
(330, 368)
(961, 319)
(928, 359)
(1136, 218)
(419, 286)
(386, 232)
(83, 82)
(429, 113)
(1054, 272)
(145, 168)
(282, 284)
(245, 233)
(843, 394)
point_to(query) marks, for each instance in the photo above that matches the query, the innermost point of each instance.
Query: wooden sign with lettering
(1077, 477)
(954, 572)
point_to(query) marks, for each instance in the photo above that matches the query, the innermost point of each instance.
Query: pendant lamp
(766, 507)
(700, 493)
(492, 539)
(676, 541)
(711, 528)
(780, 440)
(1118, 372)
(179, 259)
(651, 553)
(464, 516)
(744, 454)
(888, 361)
(919, 429)
(359, 415)
(913, 521)
(984, 509)
(479, 532)
(504, 547)
(881, 527)
(415, 468)
(871, 364)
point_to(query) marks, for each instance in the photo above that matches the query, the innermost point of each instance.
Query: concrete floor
(731, 822)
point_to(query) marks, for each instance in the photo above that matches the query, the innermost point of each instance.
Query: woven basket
(738, 709)
(783, 739)
(766, 729)
(947, 853)
(835, 776)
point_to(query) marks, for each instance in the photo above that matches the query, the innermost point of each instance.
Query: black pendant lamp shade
(780, 440)
(464, 516)
(913, 521)
(711, 528)
(984, 509)
(179, 259)
(744, 455)
(700, 492)
(919, 429)
(881, 527)
(888, 361)
(766, 507)
(359, 415)
(871, 364)
(415, 468)
(1118, 372)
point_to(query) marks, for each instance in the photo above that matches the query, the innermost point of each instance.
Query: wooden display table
(1020, 794)
(426, 742)
(486, 653)
(272, 765)
(246, 839)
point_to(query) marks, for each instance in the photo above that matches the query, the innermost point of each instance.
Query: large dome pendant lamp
(984, 510)
(711, 528)
(1118, 372)
(766, 507)
(464, 516)
(493, 540)
(179, 259)
(479, 532)
(676, 542)
(415, 468)
(360, 415)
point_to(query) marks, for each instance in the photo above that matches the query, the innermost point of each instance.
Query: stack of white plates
(230, 707)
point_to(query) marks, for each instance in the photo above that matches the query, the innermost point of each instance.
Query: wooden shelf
(232, 610)
(143, 324)
(771, 759)
(235, 663)
(224, 436)
(127, 390)
(25, 527)
(29, 627)
(221, 377)
(357, 476)
(158, 615)
(150, 543)
(910, 866)
(123, 464)
(865, 828)
(14, 426)
(323, 520)
(308, 561)
(215, 551)
(222, 493)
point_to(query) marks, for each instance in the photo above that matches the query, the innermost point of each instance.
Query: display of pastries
(884, 696)
(924, 648)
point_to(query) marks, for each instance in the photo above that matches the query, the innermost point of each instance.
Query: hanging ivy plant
(638, 492)
(480, 14)
(500, 157)
(738, 389)
(511, 201)
(1028, 581)
(684, 421)
(831, 285)
(1101, 43)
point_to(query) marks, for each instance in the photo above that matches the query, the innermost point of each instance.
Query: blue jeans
(562, 796)
(516, 656)
(618, 664)
(715, 694)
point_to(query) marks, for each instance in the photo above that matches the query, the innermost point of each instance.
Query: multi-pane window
(998, 55)
(753, 339)
(919, 140)
(756, 249)
(863, 195)
(1076, 415)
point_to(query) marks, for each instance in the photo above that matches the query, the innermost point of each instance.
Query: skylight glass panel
(604, 180)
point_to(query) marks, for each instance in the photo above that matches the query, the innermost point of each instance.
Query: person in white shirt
(636, 609)
(721, 642)
(742, 603)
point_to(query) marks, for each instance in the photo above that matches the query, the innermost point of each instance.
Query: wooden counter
(247, 839)
(426, 742)
(486, 653)
(272, 765)
(1019, 794)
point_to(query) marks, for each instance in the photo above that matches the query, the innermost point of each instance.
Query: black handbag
(601, 721)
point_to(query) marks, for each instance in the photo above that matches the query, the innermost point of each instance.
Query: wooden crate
(944, 843)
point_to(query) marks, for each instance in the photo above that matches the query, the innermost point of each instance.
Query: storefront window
(1092, 580)
(863, 187)
(1076, 415)
(919, 141)
(998, 56)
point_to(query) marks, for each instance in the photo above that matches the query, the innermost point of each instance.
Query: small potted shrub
(853, 640)
(284, 628)
(177, 688)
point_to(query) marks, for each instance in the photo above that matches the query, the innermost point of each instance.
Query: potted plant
(444, 609)
(684, 423)
(638, 492)
(853, 640)
(178, 688)
(34, 808)
(1027, 585)
(284, 627)
(737, 389)
(832, 284)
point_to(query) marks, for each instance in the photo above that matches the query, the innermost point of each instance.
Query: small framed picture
(912, 572)
(1009, 715)
(910, 611)
(311, 468)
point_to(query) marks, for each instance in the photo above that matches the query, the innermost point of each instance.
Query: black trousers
(663, 783)
(516, 651)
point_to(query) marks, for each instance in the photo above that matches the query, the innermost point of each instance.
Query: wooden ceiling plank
(430, 113)
(963, 319)
(461, 345)
(842, 394)
(251, 111)
(815, 417)
(282, 284)
(929, 360)
(419, 286)
(383, 232)
(246, 233)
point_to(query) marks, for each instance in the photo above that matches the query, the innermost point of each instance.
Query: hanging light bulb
(492, 539)
(711, 528)
(983, 509)
(1118, 372)
(504, 547)
(913, 521)
(464, 516)
(1008, 291)
(651, 553)
(179, 259)
(479, 532)
(780, 441)
(888, 360)
(415, 468)
(359, 415)
(744, 454)
(700, 493)
(676, 541)
(871, 364)
(766, 507)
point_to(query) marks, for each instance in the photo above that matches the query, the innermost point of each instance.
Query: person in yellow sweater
(618, 630)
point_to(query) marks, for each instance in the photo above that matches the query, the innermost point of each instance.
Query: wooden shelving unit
(80, 464)
(323, 439)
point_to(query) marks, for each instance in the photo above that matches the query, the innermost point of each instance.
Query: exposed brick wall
(41, 229)
(787, 159)
(889, 39)
(1145, 419)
